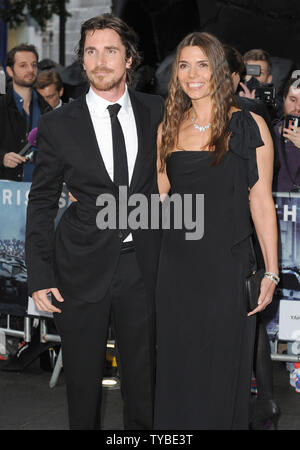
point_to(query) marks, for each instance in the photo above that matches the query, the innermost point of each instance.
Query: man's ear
(270, 78)
(9, 71)
(128, 62)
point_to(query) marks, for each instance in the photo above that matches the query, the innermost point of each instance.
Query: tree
(15, 12)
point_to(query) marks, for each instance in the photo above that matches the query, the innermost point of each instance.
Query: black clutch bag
(252, 283)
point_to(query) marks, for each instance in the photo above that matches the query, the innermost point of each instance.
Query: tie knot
(114, 109)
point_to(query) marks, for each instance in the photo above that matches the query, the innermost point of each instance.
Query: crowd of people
(28, 78)
(220, 133)
(12, 247)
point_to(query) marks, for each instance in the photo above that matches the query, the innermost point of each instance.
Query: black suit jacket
(78, 258)
(13, 132)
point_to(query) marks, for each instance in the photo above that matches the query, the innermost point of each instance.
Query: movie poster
(288, 217)
(13, 273)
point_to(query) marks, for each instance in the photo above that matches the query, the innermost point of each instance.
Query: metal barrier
(284, 357)
(25, 334)
(44, 337)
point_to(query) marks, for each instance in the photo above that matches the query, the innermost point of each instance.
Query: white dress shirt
(59, 105)
(102, 125)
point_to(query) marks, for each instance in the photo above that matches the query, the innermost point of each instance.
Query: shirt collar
(19, 101)
(59, 105)
(99, 104)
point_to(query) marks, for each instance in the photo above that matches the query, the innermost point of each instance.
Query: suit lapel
(142, 119)
(86, 138)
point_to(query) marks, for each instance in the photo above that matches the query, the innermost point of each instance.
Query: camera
(263, 91)
(291, 120)
(266, 93)
(253, 70)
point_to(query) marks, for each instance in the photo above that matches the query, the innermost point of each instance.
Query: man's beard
(23, 83)
(99, 82)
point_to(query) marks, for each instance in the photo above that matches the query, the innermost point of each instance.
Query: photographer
(257, 83)
(238, 70)
(261, 58)
(287, 132)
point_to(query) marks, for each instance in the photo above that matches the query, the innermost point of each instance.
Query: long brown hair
(178, 103)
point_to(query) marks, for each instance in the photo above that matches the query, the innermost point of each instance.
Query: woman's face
(194, 72)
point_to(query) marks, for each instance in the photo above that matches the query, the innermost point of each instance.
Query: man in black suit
(96, 146)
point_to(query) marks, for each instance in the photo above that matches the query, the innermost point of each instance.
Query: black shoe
(265, 415)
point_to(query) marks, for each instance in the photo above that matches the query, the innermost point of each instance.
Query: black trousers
(83, 328)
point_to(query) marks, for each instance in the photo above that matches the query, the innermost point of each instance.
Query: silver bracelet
(272, 276)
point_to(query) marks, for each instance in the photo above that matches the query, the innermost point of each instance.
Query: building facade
(47, 43)
(80, 11)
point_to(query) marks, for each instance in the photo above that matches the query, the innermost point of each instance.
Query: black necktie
(119, 149)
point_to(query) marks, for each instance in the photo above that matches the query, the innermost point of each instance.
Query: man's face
(265, 76)
(24, 70)
(292, 102)
(104, 60)
(51, 94)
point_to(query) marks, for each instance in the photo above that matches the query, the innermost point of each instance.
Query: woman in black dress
(206, 145)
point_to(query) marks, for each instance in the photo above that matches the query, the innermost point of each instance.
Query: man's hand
(246, 93)
(72, 198)
(293, 135)
(42, 302)
(12, 160)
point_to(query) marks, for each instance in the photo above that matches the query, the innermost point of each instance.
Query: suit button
(120, 234)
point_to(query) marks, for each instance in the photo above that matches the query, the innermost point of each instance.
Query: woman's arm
(263, 213)
(162, 178)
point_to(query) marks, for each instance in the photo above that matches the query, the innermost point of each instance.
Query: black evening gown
(205, 339)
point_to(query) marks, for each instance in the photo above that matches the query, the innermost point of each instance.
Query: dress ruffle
(245, 138)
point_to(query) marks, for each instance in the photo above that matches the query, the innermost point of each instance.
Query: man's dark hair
(287, 86)
(47, 77)
(235, 60)
(127, 34)
(258, 54)
(10, 57)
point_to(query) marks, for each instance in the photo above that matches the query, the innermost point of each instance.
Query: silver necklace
(200, 127)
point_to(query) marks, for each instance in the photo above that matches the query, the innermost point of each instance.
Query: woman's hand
(267, 289)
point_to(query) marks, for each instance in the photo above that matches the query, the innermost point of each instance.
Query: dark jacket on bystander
(13, 132)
